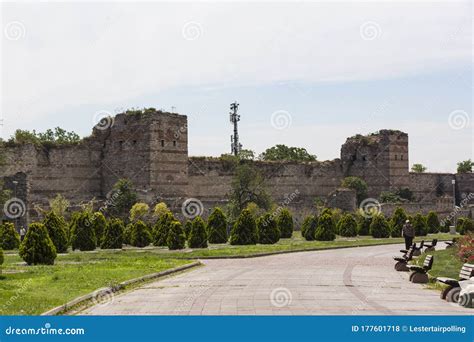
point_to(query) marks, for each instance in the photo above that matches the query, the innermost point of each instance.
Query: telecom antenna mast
(236, 146)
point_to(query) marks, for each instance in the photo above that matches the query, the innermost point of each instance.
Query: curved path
(353, 281)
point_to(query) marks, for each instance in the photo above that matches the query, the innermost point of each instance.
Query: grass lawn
(31, 290)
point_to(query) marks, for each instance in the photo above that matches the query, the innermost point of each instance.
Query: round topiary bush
(397, 221)
(419, 223)
(432, 222)
(325, 231)
(467, 226)
(379, 227)
(113, 235)
(267, 230)
(82, 233)
(308, 227)
(363, 223)
(140, 235)
(161, 229)
(217, 226)
(127, 234)
(176, 237)
(187, 228)
(347, 226)
(285, 223)
(198, 235)
(99, 222)
(56, 227)
(9, 238)
(445, 227)
(37, 247)
(244, 231)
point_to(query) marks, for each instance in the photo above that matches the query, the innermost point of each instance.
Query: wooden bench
(430, 247)
(419, 249)
(402, 261)
(451, 293)
(419, 274)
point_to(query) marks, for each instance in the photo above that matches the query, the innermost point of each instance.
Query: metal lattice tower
(236, 146)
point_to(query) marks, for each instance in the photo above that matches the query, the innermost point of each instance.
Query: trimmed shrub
(363, 224)
(1, 260)
(113, 235)
(467, 226)
(9, 238)
(161, 229)
(308, 227)
(176, 237)
(379, 227)
(285, 223)
(217, 226)
(446, 225)
(187, 228)
(99, 223)
(419, 223)
(56, 227)
(325, 230)
(140, 235)
(397, 221)
(244, 231)
(198, 235)
(82, 233)
(432, 222)
(127, 234)
(139, 211)
(37, 247)
(347, 226)
(267, 230)
(459, 224)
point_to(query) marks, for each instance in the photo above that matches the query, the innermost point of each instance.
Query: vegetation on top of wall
(56, 137)
(397, 196)
(282, 152)
(358, 185)
(465, 166)
(418, 168)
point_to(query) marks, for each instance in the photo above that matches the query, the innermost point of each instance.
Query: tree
(419, 223)
(379, 227)
(358, 185)
(285, 223)
(217, 226)
(418, 168)
(176, 238)
(113, 235)
(160, 209)
(267, 230)
(37, 247)
(325, 231)
(99, 223)
(9, 238)
(244, 231)
(467, 226)
(247, 187)
(246, 154)
(283, 152)
(161, 229)
(308, 227)
(59, 205)
(140, 235)
(1, 260)
(363, 223)
(187, 228)
(347, 226)
(122, 198)
(139, 211)
(397, 221)
(56, 227)
(432, 222)
(197, 236)
(82, 232)
(446, 225)
(465, 166)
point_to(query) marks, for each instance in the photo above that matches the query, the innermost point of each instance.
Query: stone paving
(353, 281)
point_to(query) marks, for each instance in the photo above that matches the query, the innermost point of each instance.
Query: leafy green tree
(160, 210)
(140, 235)
(347, 226)
(122, 198)
(379, 227)
(325, 231)
(56, 227)
(418, 168)
(198, 236)
(9, 238)
(82, 232)
(139, 211)
(37, 247)
(246, 154)
(244, 231)
(267, 230)
(285, 223)
(283, 152)
(397, 221)
(59, 205)
(308, 228)
(465, 166)
(50, 137)
(161, 229)
(419, 223)
(217, 226)
(358, 185)
(432, 222)
(176, 237)
(113, 235)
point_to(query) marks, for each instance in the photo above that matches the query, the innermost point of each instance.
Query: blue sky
(328, 70)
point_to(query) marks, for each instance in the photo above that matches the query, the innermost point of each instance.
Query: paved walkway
(354, 281)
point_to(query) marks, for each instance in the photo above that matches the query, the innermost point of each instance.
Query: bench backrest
(467, 271)
(410, 252)
(434, 242)
(422, 243)
(428, 263)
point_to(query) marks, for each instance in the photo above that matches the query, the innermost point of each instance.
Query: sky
(307, 74)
